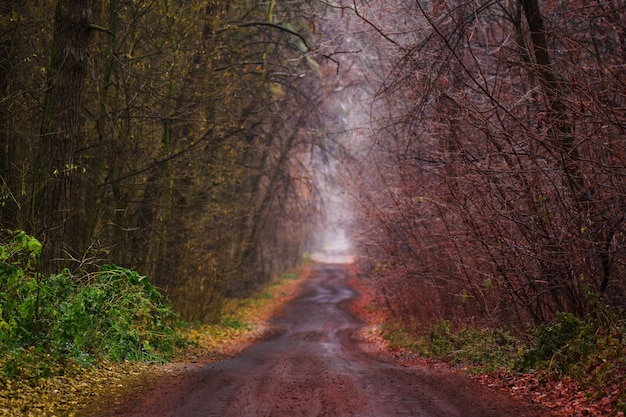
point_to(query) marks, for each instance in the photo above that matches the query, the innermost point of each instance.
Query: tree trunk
(60, 128)
(9, 177)
(561, 131)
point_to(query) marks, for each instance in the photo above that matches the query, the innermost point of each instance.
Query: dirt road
(312, 364)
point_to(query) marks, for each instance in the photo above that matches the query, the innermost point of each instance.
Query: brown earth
(316, 362)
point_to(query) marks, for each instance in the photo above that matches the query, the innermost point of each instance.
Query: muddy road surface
(313, 364)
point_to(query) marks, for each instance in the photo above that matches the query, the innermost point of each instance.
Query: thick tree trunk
(60, 128)
(9, 177)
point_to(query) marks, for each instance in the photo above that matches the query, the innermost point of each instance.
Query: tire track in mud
(311, 364)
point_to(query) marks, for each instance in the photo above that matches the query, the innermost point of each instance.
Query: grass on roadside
(243, 320)
(481, 350)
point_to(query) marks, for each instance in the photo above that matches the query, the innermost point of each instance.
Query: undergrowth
(590, 350)
(52, 329)
(50, 322)
(481, 349)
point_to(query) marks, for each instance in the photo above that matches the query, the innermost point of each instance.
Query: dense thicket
(497, 191)
(173, 137)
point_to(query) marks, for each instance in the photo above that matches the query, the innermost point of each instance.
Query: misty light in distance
(335, 249)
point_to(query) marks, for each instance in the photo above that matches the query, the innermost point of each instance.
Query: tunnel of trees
(479, 146)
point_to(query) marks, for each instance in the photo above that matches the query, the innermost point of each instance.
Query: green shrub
(558, 345)
(120, 315)
(581, 348)
(114, 314)
(20, 289)
(399, 337)
(440, 343)
(487, 349)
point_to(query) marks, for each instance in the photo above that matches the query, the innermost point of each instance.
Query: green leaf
(34, 246)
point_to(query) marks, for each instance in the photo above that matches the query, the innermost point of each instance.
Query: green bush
(487, 349)
(591, 350)
(119, 315)
(441, 341)
(114, 314)
(20, 284)
(581, 348)
(559, 345)
(399, 337)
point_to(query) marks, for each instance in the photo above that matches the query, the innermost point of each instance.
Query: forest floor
(113, 389)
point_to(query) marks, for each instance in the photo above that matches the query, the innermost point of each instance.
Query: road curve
(312, 364)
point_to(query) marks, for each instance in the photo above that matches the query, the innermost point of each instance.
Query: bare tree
(499, 196)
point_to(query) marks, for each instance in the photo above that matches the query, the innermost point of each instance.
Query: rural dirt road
(313, 363)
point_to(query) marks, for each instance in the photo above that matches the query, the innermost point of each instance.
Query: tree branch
(268, 24)
(99, 28)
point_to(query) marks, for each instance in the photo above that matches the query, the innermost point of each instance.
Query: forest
(496, 191)
(472, 152)
(173, 137)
